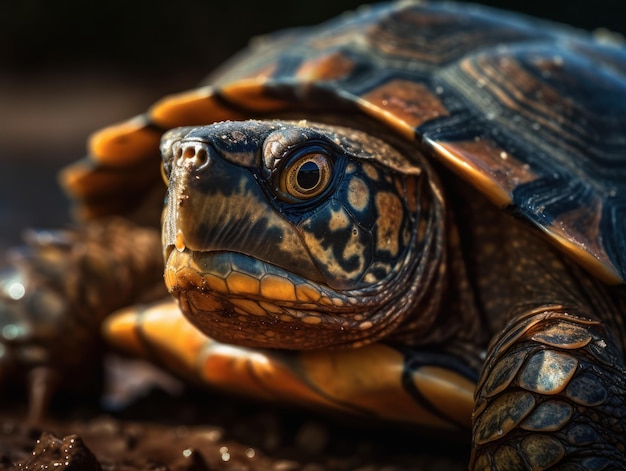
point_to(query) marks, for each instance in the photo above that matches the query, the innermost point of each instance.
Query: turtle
(413, 213)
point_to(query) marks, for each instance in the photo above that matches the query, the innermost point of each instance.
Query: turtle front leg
(54, 294)
(552, 395)
(377, 381)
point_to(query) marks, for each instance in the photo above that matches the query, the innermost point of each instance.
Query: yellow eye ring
(307, 176)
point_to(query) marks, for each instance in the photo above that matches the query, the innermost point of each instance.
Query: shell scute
(548, 416)
(503, 415)
(587, 390)
(531, 113)
(548, 372)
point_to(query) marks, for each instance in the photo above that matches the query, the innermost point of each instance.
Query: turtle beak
(217, 203)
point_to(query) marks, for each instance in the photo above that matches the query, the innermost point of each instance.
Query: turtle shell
(531, 113)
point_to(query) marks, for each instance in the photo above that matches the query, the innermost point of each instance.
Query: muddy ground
(165, 426)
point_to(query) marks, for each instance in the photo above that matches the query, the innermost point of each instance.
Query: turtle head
(290, 234)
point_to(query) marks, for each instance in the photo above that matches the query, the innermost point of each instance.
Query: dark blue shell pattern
(531, 113)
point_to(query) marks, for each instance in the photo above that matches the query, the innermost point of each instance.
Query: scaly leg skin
(434, 390)
(56, 293)
(552, 396)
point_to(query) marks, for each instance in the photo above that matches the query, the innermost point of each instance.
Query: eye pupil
(305, 176)
(308, 175)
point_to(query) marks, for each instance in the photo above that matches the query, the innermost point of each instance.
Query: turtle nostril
(193, 153)
(202, 156)
(189, 152)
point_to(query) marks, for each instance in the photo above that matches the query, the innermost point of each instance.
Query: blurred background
(68, 67)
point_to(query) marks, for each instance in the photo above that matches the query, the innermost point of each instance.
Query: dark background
(148, 36)
(71, 66)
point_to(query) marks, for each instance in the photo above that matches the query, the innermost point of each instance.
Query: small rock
(68, 454)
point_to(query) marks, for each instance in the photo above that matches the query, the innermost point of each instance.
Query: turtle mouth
(236, 298)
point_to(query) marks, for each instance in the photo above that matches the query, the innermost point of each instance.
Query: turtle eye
(306, 176)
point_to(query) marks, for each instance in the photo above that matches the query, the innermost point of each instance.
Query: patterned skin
(414, 213)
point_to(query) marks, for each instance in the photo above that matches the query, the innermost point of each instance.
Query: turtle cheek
(362, 233)
(340, 247)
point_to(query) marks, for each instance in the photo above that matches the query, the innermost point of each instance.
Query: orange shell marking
(329, 67)
(190, 108)
(490, 168)
(404, 104)
(126, 143)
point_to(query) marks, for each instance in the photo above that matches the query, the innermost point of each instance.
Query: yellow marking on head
(338, 220)
(326, 301)
(358, 194)
(306, 292)
(240, 283)
(338, 302)
(271, 308)
(326, 254)
(215, 283)
(353, 249)
(183, 264)
(170, 278)
(183, 277)
(249, 307)
(311, 320)
(199, 301)
(365, 325)
(180, 241)
(381, 267)
(370, 171)
(189, 279)
(389, 224)
(370, 278)
(277, 288)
